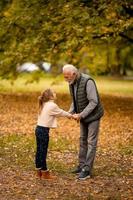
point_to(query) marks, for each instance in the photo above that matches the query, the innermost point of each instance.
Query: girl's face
(54, 95)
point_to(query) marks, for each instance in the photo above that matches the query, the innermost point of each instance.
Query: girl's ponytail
(40, 100)
(44, 97)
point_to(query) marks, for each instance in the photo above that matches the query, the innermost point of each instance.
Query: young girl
(48, 112)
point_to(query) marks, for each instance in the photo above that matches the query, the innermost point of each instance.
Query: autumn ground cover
(113, 170)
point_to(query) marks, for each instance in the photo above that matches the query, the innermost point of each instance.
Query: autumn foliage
(112, 175)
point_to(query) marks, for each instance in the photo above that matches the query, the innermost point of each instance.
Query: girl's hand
(70, 116)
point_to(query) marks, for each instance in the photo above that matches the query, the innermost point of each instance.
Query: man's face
(69, 76)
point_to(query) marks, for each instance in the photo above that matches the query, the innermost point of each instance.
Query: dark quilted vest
(82, 101)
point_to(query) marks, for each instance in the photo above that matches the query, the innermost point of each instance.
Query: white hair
(70, 68)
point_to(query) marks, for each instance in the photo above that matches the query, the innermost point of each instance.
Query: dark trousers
(42, 141)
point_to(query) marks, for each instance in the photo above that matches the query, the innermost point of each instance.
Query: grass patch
(25, 83)
(126, 150)
(61, 144)
(29, 83)
(19, 150)
(58, 166)
(115, 86)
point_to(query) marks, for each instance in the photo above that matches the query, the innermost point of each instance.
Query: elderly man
(86, 108)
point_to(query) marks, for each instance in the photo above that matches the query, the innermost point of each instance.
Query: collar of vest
(80, 75)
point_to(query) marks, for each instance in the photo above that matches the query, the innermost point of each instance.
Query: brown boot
(46, 175)
(38, 173)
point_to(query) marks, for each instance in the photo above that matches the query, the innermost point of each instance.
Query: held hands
(76, 117)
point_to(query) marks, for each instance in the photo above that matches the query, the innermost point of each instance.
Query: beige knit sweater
(49, 113)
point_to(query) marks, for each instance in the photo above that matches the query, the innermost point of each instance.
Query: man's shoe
(77, 170)
(84, 175)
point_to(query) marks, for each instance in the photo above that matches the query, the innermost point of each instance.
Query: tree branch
(111, 34)
(126, 37)
(103, 35)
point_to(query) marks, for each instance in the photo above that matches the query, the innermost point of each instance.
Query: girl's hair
(44, 97)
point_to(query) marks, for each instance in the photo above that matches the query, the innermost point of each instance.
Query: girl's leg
(42, 140)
